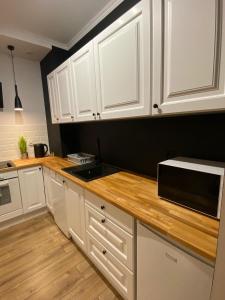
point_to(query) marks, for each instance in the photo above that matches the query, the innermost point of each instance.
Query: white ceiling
(58, 21)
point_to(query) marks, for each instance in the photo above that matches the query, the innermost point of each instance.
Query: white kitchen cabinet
(165, 272)
(117, 274)
(64, 95)
(188, 56)
(76, 213)
(52, 97)
(114, 238)
(32, 188)
(47, 183)
(110, 242)
(122, 54)
(58, 198)
(83, 83)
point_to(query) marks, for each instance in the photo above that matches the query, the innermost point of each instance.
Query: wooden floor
(38, 262)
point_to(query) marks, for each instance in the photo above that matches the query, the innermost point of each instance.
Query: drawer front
(118, 216)
(118, 241)
(117, 274)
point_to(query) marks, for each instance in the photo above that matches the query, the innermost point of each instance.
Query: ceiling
(33, 26)
(58, 20)
(23, 49)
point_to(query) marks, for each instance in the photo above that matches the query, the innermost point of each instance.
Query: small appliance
(195, 184)
(40, 150)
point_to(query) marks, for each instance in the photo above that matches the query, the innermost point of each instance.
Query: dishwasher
(166, 272)
(57, 194)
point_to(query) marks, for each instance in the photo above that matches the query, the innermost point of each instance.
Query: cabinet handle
(102, 207)
(40, 169)
(104, 252)
(64, 181)
(72, 117)
(103, 220)
(155, 105)
(98, 114)
(94, 115)
(171, 257)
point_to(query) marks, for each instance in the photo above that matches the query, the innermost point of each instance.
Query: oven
(10, 197)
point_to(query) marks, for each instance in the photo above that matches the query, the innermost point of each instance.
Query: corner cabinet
(188, 56)
(32, 188)
(122, 54)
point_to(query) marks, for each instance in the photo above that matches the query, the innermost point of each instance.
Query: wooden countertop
(137, 196)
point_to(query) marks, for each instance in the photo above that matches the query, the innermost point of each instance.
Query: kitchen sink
(91, 171)
(6, 164)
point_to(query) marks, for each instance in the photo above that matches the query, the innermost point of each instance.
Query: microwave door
(196, 190)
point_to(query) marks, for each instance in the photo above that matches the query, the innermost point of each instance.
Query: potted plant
(23, 147)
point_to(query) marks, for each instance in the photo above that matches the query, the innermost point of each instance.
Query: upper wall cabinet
(52, 97)
(188, 56)
(83, 83)
(122, 65)
(64, 93)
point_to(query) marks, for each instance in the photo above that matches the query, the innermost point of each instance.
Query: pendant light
(18, 104)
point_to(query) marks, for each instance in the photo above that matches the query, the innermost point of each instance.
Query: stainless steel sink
(6, 164)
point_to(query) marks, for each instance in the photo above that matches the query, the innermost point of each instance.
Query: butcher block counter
(137, 196)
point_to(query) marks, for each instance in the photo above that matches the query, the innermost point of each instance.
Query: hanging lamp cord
(14, 74)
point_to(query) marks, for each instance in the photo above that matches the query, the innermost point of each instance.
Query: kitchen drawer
(117, 274)
(117, 215)
(118, 241)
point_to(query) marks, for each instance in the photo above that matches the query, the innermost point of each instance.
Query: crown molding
(48, 43)
(32, 38)
(93, 22)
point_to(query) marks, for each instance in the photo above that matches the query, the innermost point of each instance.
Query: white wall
(32, 121)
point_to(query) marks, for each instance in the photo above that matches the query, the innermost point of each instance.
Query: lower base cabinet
(76, 213)
(165, 272)
(32, 188)
(117, 274)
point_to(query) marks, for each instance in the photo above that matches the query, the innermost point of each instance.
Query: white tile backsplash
(9, 136)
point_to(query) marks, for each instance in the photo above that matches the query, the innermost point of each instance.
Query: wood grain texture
(137, 196)
(38, 262)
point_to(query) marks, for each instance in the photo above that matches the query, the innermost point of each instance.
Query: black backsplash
(139, 144)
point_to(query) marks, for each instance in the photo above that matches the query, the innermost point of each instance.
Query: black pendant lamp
(18, 104)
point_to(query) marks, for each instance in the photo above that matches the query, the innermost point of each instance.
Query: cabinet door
(47, 183)
(64, 93)
(52, 97)
(122, 65)
(57, 186)
(75, 213)
(32, 188)
(189, 58)
(166, 272)
(83, 83)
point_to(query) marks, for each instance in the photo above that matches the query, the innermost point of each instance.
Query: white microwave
(192, 183)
